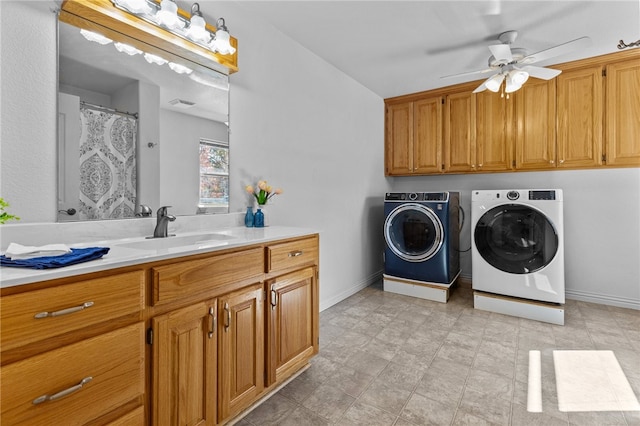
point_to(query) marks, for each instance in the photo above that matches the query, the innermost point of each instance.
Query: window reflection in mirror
(130, 134)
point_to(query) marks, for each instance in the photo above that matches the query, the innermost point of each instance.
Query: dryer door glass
(413, 232)
(516, 238)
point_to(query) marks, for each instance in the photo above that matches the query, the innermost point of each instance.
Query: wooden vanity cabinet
(185, 365)
(73, 350)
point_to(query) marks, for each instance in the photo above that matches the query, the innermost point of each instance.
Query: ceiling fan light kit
(506, 61)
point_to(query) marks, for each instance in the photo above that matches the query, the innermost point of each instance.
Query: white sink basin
(199, 240)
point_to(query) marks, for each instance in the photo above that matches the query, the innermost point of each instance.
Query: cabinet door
(623, 113)
(398, 141)
(241, 349)
(536, 125)
(427, 136)
(494, 116)
(292, 323)
(184, 366)
(459, 130)
(579, 118)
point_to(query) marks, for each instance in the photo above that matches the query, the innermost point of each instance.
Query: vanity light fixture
(95, 37)
(125, 48)
(180, 69)
(193, 29)
(154, 59)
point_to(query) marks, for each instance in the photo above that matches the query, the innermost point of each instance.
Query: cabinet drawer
(172, 282)
(41, 314)
(114, 362)
(291, 254)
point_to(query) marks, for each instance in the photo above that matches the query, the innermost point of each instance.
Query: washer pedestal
(540, 311)
(424, 290)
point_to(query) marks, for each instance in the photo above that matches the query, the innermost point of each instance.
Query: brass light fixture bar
(103, 17)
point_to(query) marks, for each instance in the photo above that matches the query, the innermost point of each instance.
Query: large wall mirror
(134, 133)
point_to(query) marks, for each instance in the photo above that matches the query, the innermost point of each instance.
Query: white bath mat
(592, 381)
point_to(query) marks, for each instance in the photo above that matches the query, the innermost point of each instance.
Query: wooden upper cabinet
(494, 129)
(579, 100)
(535, 120)
(414, 137)
(427, 135)
(460, 134)
(399, 139)
(623, 113)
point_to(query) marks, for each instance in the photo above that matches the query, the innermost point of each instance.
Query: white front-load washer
(518, 244)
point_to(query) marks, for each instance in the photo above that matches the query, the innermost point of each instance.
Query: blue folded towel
(77, 255)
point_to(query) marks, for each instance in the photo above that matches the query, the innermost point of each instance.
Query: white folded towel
(17, 251)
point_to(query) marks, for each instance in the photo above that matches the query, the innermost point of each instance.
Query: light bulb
(494, 82)
(197, 31)
(518, 76)
(511, 85)
(180, 69)
(125, 48)
(221, 43)
(168, 15)
(98, 38)
(153, 59)
(136, 6)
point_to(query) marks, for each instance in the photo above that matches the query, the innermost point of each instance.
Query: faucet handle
(162, 211)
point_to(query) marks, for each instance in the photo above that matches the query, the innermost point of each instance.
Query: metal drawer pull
(295, 253)
(55, 396)
(228, 322)
(66, 311)
(213, 322)
(274, 297)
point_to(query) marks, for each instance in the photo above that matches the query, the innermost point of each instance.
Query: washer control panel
(513, 195)
(416, 196)
(542, 195)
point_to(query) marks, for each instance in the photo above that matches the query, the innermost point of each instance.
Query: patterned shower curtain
(107, 165)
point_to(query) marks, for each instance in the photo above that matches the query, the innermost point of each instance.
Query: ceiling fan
(513, 65)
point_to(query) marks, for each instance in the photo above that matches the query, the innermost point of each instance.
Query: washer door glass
(516, 238)
(413, 232)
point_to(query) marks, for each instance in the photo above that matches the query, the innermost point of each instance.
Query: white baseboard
(376, 276)
(602, 299)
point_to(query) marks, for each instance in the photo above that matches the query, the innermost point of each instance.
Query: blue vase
(249, 218)
(258, 220)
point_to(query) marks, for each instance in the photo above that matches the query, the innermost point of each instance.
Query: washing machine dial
(413, 196)
(513, 195)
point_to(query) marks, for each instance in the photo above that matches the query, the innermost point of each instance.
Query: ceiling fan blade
(468, 73)
(558, 50)
(480, 88)
(540, 72)
(502, 52)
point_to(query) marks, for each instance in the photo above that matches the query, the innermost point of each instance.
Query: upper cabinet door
(398, 141)
(460, 134)
(427, 135)
(623, 113)
(580, 117)
(536, 125)
(494, 118)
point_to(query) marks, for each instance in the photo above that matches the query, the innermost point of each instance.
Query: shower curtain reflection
(107, 165)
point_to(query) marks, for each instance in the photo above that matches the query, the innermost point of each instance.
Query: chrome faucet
(162, 225)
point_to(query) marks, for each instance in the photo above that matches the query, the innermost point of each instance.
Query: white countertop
(120, 255)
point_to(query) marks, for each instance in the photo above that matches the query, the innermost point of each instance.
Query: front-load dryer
(421, 233)
(518, 245)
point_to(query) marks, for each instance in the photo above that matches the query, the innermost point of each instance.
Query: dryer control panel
(542, 195)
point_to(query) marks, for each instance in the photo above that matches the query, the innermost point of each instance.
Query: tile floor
(387, 359)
